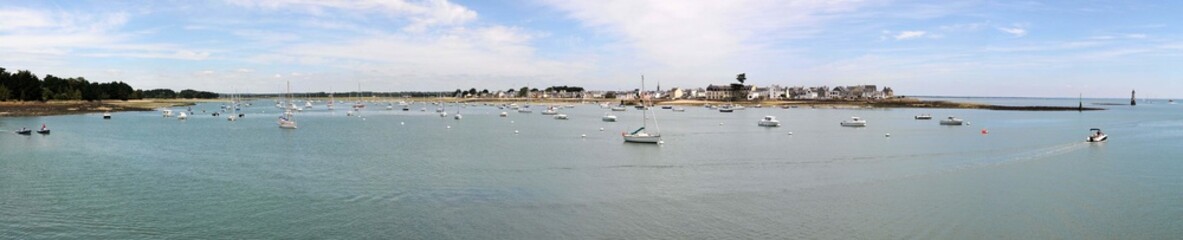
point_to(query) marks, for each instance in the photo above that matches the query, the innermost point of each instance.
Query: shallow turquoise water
(718, 175)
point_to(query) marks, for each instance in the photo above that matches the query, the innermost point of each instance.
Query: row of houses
(718, 92)
(776, 92)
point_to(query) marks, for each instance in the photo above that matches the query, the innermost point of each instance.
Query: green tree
(4, 93)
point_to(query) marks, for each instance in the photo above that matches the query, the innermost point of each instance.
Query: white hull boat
(768, 121)
(608, 117)
(642, 137)
(854, 122)
(1097, 136)
(952, 121)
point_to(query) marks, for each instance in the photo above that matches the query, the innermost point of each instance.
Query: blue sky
(962, 48)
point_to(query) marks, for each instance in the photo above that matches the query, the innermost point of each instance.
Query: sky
(941, 48)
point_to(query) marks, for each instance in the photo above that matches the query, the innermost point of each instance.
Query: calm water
(395, 174)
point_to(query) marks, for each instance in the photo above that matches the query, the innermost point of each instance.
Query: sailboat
(359, 105)
(233, 109)
(288, 120)
(641, 135)
(331, 100)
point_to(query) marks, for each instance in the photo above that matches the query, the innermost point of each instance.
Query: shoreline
(887, 103)
(54, 108)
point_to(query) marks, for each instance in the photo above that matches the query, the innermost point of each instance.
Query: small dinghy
(24, 131)
(44, 130)
(1097, 136)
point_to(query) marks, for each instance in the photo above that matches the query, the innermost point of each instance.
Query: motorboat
(443, 114)
(854, 122)
(667, 107)
(106, 115)
(44, 130)
(525, 110)
(1097, 136)
(182, 116)
(679, 109)
(457, 117)
(550, 111)
(167, 113)
(504, 114)
(24, 131)
(608, 117)
(726, 109)
(768, 121)
(561, 116)
(923, 117)
(619, 108)
(952, 121)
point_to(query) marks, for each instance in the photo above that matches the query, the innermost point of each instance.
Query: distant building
(726, 92)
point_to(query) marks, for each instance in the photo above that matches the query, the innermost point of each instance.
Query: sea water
(391, 174)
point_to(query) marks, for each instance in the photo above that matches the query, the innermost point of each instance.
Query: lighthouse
(1132, 102)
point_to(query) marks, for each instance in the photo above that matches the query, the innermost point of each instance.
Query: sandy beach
(25, 109)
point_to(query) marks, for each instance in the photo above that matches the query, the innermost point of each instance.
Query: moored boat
(854, 122)
(923, 117)
(608, 117)
(952, 121)
(641, 135)
(768, 121)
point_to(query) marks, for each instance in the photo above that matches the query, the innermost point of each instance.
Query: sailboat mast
(644, 110)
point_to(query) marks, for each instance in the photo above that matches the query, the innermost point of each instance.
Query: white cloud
(1014, 31)
(905, 35)
(702, 35)
(421, 14)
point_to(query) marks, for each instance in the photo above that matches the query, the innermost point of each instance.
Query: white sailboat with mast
(642, 135)
(288, 120)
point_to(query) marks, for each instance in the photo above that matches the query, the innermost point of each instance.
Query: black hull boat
(24, 132)
(44, 132)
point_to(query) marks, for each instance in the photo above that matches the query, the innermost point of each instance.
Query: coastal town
(712, 92)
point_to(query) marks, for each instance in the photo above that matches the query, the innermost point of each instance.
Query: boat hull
(768, 124)
(853, 124)
(642, 139)
(1094, 139)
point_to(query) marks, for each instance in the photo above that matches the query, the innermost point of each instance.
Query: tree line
(26, 86)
